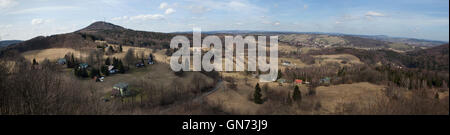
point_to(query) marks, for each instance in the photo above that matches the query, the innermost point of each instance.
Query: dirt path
(199, 98)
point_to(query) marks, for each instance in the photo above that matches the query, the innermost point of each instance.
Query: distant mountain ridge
(410, 41)
(114, 34)
(6, 43)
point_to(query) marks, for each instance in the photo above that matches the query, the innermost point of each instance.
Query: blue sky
(425, 19)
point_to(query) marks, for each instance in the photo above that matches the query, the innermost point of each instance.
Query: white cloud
(7, 3)
(361, 16)
(39, 21)
(163, 5)
(44, 9)
(147, 17)
(237, 4)
(374, 14)
(120, 18)
(142, 17)
(198, 9)
(169, 11)
(276, 23)
(5, 26)
(243, 7)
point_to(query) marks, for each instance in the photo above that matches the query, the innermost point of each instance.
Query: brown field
(338, 58)
(51, 54)
(357, 94)
(55, 53)
(282, 47)
(332, 98)
(160, 74)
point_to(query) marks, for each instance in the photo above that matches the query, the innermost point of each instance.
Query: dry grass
(333, 97)
(337, 58)
(55, 53)
(307, 49)
(51, 54)
(282, 47)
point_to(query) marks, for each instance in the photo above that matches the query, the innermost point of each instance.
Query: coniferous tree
(76, 72)
(104, 70)
(115, 62)
(151, 57)
(257, 95)
(121, 67)
(297, 95)
(107, 61)
(35, 62)
(84, 73)
(94, 72)
(279, 74)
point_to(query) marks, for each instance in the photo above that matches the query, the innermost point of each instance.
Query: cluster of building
(325, 80)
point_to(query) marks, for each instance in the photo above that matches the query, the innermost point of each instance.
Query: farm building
(298, 81)
(110, 67)
(281, 80)
(120, 89)
(112, 70)
(140, 64)
(61, 61)
(83, 65)
(286, 63)
(325, 80)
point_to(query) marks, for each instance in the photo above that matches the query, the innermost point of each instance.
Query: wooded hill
(108, 32)
(435, 58)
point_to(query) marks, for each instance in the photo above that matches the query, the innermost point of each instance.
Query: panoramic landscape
(114, 63)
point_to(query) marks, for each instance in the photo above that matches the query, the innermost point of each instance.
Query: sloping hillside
(410, 41)
(118, 35)
(6, 43)
(435, 58)
(325, 40)
(70, 40)
(97, 31)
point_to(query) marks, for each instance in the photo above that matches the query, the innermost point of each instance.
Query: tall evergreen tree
(297, 95)
(104, 70)
(279, 74)
(107, 61)
(94, 72)
(84, 73)
(115, 62)
(35, 62)
(257, 95)
(121, 67)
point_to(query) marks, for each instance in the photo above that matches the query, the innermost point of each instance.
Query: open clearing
(51, 54)
(331, 97)
(359, 94)
(56, 53)
(342, 59)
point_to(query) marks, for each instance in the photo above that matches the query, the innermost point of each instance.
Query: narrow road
(200, 98)
(217, 87)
